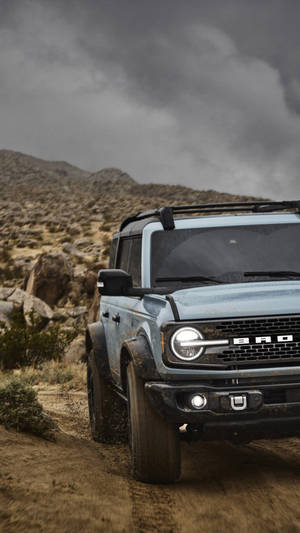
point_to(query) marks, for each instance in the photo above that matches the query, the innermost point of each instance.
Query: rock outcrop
(76, 352)
(32, 307)
(50, 277)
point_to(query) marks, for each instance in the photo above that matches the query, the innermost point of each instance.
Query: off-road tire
(154, 443)
(108, 412)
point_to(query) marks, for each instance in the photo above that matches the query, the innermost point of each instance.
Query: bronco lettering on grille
(263, 340)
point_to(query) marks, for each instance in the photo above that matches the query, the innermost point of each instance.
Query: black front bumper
(272, 411)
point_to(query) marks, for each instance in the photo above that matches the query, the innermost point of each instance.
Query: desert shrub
(52, 229)
(39, 237)
(10, 272)
(24, 344)
(106, 226)
(5, 254)
(20, 410)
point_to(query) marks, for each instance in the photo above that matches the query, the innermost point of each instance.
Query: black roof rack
(166, 214)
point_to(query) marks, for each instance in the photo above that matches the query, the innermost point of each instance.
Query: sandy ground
(76, 484)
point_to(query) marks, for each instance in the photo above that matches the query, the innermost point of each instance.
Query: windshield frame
(208, 222)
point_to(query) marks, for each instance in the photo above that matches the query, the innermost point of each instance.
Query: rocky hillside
(56, 222)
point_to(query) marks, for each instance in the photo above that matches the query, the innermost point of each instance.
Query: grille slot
(248, 327)
(261, 352)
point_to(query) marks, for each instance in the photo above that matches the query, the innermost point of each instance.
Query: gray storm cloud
(171, 94)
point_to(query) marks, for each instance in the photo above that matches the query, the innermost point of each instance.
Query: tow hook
(238, 402)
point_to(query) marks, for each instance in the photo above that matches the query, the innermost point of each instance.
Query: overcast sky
(204, 93)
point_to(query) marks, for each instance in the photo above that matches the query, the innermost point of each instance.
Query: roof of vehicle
(135, 224)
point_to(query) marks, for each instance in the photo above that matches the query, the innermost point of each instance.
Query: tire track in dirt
(151, 505)
(152, 508)
(239, 488)
(224, 487)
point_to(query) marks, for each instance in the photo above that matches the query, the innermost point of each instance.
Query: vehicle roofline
(167, 213)
(135, 231)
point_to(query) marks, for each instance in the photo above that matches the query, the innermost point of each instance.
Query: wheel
(108, 413)
(154, 443)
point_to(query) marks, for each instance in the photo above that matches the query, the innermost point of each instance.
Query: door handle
(105, 314)
(116, 318)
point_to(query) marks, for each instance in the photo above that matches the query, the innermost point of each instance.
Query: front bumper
(271, 411)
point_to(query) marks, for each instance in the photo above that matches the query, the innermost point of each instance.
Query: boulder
(5, 292)
(74, 312)
(39, 309)
(17, 298)
(6, 308)
(82, 243)
(76, 352)
(74, 229)
(4, 319)
(50, 277)
(75, 291)
(60, 315)
(70, 249)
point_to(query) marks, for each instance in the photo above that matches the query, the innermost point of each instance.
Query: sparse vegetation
(70, 377)
(24, 344)
(20, 409)
(5, 254)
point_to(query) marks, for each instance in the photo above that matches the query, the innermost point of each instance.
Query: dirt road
(76, 484)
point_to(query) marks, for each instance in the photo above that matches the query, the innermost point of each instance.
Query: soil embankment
(77, 484)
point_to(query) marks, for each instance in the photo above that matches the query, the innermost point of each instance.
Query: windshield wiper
(189, 278)
(274, 273)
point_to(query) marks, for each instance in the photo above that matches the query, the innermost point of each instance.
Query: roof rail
(166, 214)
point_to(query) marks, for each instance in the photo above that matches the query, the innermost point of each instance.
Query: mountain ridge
(20, 167)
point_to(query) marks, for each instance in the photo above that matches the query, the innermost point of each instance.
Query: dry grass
(70, 377)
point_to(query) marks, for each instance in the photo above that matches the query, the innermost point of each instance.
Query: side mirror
(114, 282)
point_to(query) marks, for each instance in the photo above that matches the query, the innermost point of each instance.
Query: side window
(129, 258)
(112, 253)
(134, 267)
(123, 255)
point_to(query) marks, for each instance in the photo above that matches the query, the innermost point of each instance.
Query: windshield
(182, 257)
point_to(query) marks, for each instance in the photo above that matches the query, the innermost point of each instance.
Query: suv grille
(249, 355)
(266, 326)
(264, 352)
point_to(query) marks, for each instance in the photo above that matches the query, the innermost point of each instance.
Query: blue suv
(199, 331)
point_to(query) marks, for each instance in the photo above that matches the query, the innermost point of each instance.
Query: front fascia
(183, 373)
(216, 368)
(212, 365)
(239, 343)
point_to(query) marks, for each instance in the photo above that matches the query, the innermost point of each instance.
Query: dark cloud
(195, 92)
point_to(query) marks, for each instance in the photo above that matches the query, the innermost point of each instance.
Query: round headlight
(185, 343)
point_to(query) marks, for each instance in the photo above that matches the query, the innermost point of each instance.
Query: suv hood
(238, 299)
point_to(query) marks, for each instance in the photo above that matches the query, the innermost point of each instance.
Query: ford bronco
(199, 331)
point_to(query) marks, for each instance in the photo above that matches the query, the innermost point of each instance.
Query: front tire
(155, 446)
(108, 413)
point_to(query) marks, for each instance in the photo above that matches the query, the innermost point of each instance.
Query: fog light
(198, 401)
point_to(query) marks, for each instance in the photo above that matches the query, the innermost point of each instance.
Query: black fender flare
(138, 350)
(95, 339)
